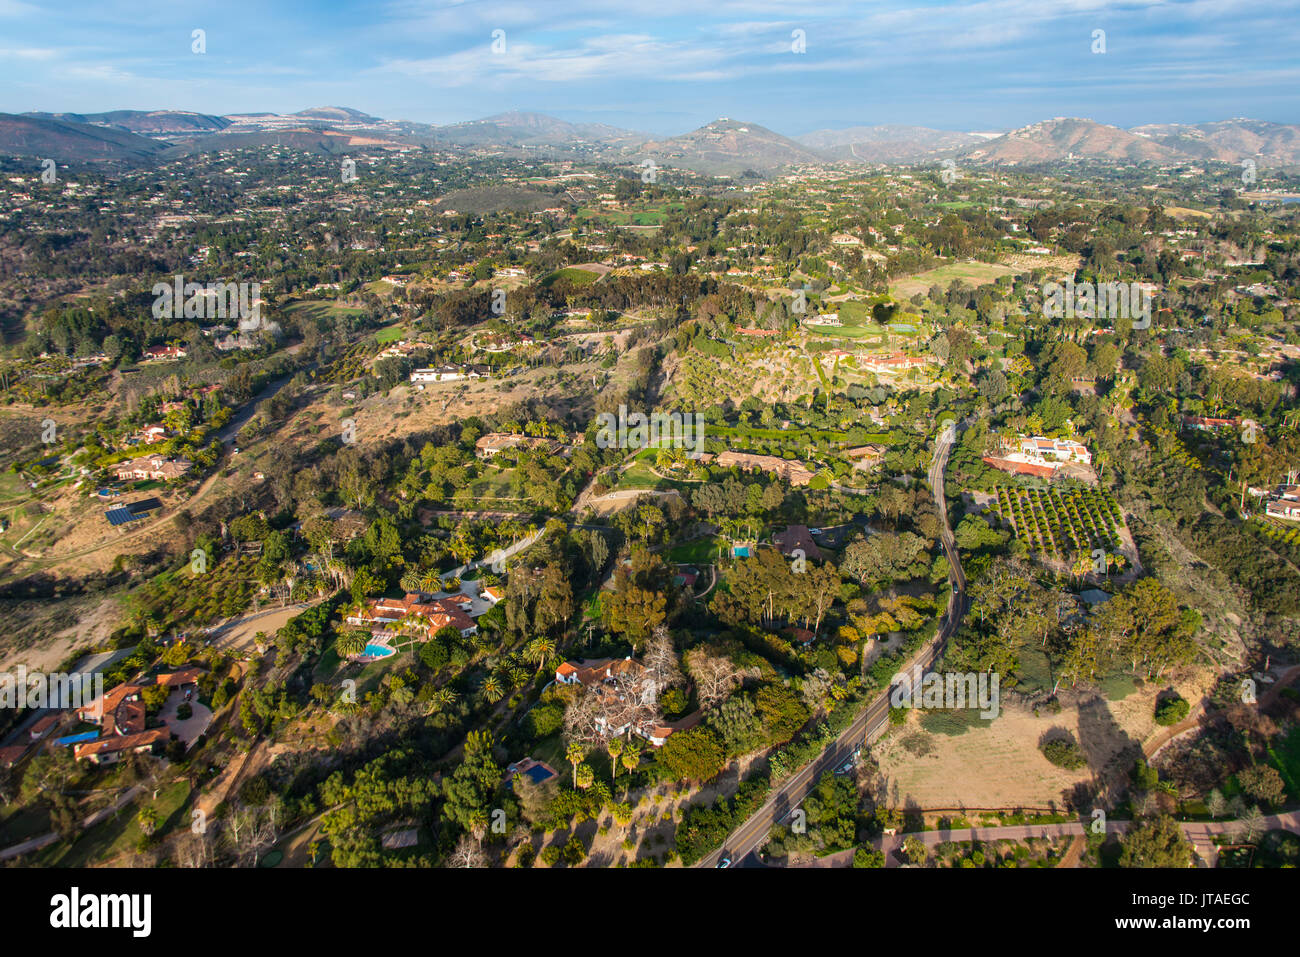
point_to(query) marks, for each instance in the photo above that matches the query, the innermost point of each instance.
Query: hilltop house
(791, 470)
(492, 443)
(1201, 423)
(1039, 456)
(165, 353)
(380, 615)
(1284, 503)
(154, 467)
(865, 456)
(122, 719)
(449, 373)
(892, 362)
(622, 681)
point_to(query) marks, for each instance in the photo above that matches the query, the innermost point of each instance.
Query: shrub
(1171, 709)
(1064, 753)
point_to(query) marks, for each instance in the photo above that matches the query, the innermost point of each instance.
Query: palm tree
(491, 689)
(539, 650)
(574, 754)
(350, 643)
(615, 748)
(631, 758)
(583, 776)
(411, 581)
(442, 699)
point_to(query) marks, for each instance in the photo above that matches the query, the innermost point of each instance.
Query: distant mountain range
(723, 147)
(889, 144)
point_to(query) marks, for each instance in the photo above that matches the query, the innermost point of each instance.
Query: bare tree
(468, 853)
(716, 676)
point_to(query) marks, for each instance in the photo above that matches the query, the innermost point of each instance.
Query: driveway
(189, 729)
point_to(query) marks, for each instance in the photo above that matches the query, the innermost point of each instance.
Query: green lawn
(390, 334)
(579, 277)
(120, 833)
(639, 476)
(1285, 756)
(322, 309)
(702, 551)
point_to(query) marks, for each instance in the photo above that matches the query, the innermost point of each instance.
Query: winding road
(742, 844)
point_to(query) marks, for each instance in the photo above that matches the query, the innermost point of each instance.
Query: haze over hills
(889, 144)
(518, 128)
(722, 147)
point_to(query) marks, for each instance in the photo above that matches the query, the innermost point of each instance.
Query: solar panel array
(121, 516)
(133, 512)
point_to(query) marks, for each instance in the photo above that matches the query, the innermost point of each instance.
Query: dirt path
(1198, 718)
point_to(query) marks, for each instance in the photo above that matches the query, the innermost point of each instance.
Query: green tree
(1158, 842)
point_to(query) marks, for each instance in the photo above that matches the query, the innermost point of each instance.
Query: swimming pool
(740, 551)
(379, 651)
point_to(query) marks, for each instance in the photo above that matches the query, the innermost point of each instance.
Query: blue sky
(666, 66)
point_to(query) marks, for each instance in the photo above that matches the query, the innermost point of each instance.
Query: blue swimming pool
(740, 551)
(379, 651)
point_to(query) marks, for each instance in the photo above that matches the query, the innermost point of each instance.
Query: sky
(666, 66)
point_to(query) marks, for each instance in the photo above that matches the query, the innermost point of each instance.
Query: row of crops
(1061, 522)
(1275, 530)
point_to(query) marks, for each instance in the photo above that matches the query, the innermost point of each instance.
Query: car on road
(725, 862)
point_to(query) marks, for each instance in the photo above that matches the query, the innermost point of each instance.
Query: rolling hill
(1229, 141)
(145, 122)
(723, 147)
(1066, 138)
(729, 147)
(73, 142)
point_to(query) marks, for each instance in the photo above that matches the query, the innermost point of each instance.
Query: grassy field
(12, 487)
(579, 277)
(390, 334)
(652, 216)
(699, 552)
(120, 833)
(494, 483)
(323, 309)
(972, 274)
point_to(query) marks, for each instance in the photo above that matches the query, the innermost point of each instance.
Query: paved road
(752, 834)
(1199, 833)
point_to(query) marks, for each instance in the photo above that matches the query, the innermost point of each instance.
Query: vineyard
(1062, 523)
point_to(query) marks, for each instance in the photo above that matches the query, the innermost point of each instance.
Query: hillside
(729, 147)
(145, 122)
(72, 142)
(1229, 141)
(1069, 138)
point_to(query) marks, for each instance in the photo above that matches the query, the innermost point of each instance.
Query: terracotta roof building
(382, 615)
(791, 470)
